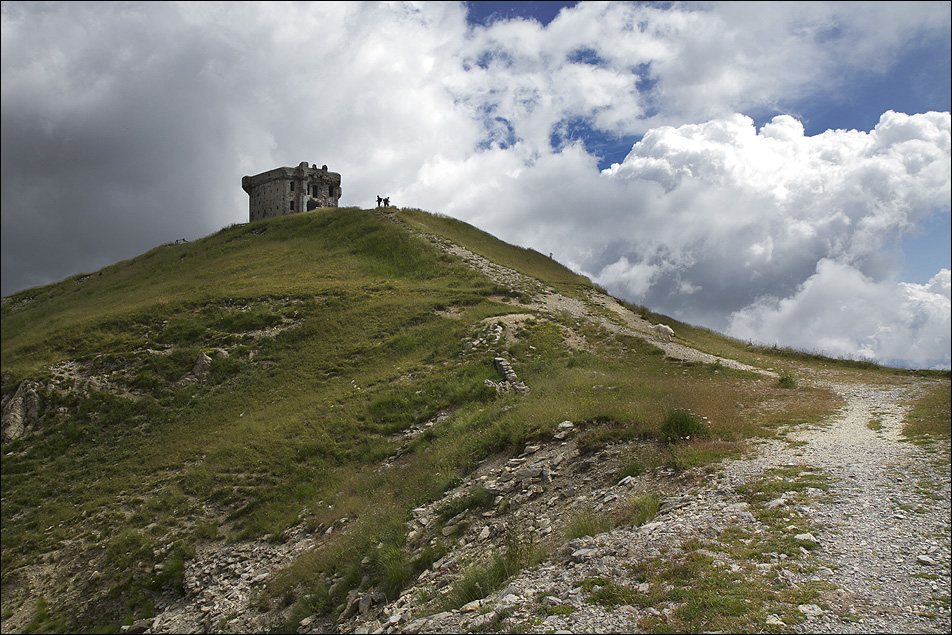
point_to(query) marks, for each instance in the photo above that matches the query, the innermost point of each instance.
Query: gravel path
(886, 530)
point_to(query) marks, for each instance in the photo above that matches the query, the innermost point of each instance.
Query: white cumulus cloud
(125, 125)
(760, 224)
(839, 311)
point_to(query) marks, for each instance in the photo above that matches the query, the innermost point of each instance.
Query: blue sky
(776, 171)
(917, 80)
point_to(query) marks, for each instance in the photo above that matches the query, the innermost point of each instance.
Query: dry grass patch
(931, 416)
(705, 452)
(781, 408)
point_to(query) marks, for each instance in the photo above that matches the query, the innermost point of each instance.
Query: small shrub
(787, 381)
(683, 424)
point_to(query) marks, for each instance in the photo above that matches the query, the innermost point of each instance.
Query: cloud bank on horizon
(670, 153)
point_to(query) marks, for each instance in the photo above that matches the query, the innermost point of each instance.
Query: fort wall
(284, 191)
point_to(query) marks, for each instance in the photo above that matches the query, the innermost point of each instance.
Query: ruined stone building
(285, 191)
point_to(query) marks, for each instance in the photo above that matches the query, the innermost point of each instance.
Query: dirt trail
(886, 531)
(615, 317)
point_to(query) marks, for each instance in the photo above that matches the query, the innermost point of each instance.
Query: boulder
(203, 365)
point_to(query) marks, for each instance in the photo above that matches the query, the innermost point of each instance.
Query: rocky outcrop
(203, 365)
(19, 411)
(510, 381)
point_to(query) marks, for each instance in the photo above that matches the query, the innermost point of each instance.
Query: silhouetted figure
(386, 202)
(379, 200)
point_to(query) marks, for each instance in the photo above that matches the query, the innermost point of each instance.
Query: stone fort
(283, 191)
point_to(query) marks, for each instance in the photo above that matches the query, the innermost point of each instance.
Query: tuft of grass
(316, 600)
(643, 459)
(682, 425)
(479, 580)
(587, 523)
(603, 431)
(642, 508)
(478, 498)
(701, 452)
(605, 593)
(797, 479)
(393, 570)
(561, 609)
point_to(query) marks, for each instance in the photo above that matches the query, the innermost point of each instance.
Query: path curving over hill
(615, 317)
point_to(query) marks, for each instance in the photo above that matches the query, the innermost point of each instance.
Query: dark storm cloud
(126, 125)
(113, 138)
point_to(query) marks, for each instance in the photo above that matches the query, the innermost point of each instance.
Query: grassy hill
(255, 380)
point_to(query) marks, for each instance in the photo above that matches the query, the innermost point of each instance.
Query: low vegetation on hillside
(237, 386)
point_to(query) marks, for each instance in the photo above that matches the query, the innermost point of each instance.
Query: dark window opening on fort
(292, 206)
(314, 190)
(292, 186)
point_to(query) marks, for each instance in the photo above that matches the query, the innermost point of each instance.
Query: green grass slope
(328, 334)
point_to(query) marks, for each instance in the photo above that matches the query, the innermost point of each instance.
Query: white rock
(810, 610)
(395, 619)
